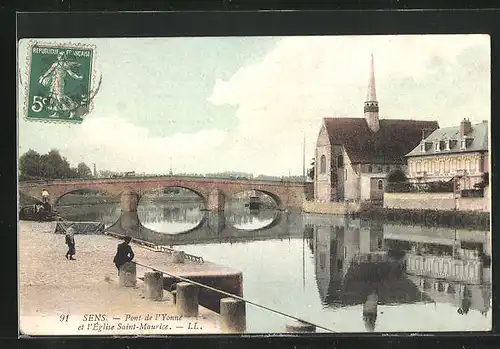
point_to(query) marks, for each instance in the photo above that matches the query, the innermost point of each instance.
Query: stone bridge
(213, 191)
(212, 229)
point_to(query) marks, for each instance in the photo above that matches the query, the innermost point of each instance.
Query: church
(354, 155)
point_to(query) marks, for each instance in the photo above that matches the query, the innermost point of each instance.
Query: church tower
(371, 104)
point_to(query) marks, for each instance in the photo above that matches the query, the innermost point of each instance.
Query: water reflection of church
(355, 258)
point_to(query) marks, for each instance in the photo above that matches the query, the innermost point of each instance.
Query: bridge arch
(57, 198)
(275, 197)
(201, 195)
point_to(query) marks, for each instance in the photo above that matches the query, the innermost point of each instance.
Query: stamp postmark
(60, 82)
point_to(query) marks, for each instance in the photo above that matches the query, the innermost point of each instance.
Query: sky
(214, 104)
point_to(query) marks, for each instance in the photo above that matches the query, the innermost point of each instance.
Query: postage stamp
(217, 185)
(59, 82)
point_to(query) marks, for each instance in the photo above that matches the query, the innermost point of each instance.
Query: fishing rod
(233, 296)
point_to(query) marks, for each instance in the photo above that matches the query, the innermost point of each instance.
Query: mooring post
(174, 296)
(299, 326)
(233, 315)
(153, 285)
(187, 299)
(128, 275)
(178, 257)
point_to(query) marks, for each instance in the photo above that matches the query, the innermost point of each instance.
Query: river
(302, 264)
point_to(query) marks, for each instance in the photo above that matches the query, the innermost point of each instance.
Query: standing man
(70, 241)
(45, 195)
(124, 253)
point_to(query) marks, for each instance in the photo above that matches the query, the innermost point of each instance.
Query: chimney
(465, 127)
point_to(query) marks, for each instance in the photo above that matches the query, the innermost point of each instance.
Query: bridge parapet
(213, 191)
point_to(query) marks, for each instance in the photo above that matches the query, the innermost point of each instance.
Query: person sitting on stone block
(124, 253)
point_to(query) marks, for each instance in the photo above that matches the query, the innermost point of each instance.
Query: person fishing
(124, 253)
(70, 241)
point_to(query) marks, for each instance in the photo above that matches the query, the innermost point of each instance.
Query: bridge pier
(216, 221)
(129, 201)
(216, 200)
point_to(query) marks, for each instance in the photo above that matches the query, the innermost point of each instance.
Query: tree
(310, 172)
(83, 170)
(49, 166)
(29, 165)
(396, 176)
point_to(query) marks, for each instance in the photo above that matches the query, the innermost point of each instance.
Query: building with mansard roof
(451, 152)
(354, 155)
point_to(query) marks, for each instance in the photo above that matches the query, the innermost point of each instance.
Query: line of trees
(52, 165)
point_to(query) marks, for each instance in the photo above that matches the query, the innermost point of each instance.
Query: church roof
(389, 144)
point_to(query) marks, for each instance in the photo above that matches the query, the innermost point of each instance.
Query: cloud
(278, 99)
(305, 79)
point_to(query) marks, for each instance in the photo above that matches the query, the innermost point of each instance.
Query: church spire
(371, 103)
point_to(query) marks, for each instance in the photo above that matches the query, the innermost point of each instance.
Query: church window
(322, 164)
(340, 161)
(380, 184)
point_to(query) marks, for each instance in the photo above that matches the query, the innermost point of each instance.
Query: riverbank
(82, 297)
(472, 220)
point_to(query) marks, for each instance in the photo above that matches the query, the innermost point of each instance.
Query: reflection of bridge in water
(213, 228)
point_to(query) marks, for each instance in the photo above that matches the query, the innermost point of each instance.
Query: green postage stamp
(60, 82)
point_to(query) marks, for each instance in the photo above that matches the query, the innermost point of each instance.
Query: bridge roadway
(213, 191)
(212, 229)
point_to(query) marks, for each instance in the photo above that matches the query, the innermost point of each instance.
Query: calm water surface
(302, 264)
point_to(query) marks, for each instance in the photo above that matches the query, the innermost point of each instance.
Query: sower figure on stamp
(54, 77)
(70, 241)
(124, 253)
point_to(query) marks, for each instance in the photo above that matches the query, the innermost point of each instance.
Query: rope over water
(234, 296)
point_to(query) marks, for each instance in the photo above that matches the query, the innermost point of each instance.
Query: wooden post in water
(233, 315)
(153, 285)
(187, 299)
(128, 275)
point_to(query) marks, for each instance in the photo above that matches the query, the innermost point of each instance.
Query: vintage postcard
(212, 185)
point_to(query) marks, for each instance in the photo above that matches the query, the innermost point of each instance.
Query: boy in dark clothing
(124, 253)
(70, 241)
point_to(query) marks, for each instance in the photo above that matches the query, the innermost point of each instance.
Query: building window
(447, 145)
(436, 146)
(441, 166)
(340, 161)
(387, 169)
(323, 164)
(379, 169)
(370, 169)
(380, 184)
(422, 147)
(462, 144)
(418, 166)
(345, 252)
(379, 243)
